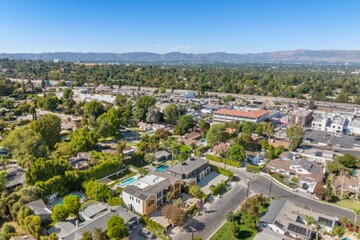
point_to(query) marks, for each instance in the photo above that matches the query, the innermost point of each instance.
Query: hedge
(223, 171)
(218, 188)
(154, 225)
(254, 169)
(140, 170)
(218, 159)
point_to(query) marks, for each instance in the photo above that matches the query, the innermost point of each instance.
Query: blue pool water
(162, 168)
(346, 238)
(126, 182)
(78, 194)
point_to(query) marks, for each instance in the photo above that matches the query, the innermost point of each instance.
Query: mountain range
(293, 56)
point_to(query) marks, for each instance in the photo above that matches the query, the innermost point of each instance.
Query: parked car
(357, 138)
(146, 233)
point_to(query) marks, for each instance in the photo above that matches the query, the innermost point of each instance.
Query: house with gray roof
(14, 177)
(190, 171)
(40, 209)
(288, 219)
(162, 155)
(69, 230)
(147, 194)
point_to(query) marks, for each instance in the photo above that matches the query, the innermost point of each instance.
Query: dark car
(357, 138)
(146, 233)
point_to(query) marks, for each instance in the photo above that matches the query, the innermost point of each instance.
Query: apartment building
(300, 117)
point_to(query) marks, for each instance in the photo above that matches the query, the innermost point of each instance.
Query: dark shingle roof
(188, 166)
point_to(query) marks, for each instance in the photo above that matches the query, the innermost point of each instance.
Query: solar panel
(325, 221)
(278, 224)
(296, 229)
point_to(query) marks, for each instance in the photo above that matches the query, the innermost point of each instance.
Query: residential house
(318, 156)
(81, 161)
(147, 194)
(227, 115)
(72, 230)
(192, 137)
(144, 126)
(14, 177)
(309, 173)
(281, 166)
(40, 209)
(190, 171)
(288, 219)
(128, 152)
(350, 184)
(162, 155)
(287, 156)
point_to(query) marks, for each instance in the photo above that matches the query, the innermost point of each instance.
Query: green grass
(264, 207)
(282, 179)
(349, 204)
(223, 233)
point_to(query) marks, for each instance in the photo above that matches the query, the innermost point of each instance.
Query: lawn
(223, 233)
(349, 204)
(282, 179)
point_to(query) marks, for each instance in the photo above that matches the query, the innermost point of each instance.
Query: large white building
(227, 115)
(354, 127)
(330, 122)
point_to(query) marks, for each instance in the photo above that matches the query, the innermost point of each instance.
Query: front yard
(349, 204)
(224, 233)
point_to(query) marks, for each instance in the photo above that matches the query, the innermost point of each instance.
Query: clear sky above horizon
(161, 26)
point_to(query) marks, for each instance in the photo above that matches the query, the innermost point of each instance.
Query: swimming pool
(161, 168)
(126, 182)
(80, 195)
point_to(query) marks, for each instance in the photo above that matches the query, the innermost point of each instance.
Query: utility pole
(271, 183)
(248, 187)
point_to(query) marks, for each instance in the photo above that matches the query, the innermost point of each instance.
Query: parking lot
(336, 140)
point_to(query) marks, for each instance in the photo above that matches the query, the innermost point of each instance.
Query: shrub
(154, 225)
(219, 160)
(219, 188)
(7, 230)
(223, 171)
(254, 169)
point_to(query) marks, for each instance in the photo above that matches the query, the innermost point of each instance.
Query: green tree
(49, 128)
(97, 190)
(109, 123)
(86, 236)
(93, 109)
(2, 181)
(72, 204)
(49, 102)
(149, 157)
(217, 134)
(143, 104)
(171, 113)
(309, 220)
(52, 236)
(24, 143)
(204, 126)
(83, 139)
(98, 234)
(348, 160)
(116, 228)
(295, 134)
(195, 191)
(237, 153)
(7, 230)
(185, 123)
(59, 213)
(120, 100)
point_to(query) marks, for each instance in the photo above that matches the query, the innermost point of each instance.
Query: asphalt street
(206, 224)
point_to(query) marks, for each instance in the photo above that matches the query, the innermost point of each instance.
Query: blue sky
(198, 26)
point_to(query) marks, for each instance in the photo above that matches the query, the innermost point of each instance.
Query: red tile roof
(240, 113)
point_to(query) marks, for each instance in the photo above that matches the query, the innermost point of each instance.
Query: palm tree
(317, 229)
(356, 213)
(309, 222)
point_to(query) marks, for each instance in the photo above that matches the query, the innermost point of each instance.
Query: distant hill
(295, 56)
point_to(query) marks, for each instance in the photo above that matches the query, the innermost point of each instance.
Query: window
(150, 203)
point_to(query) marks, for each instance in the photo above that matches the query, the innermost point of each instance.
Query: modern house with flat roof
(147, 194)
(227, 115)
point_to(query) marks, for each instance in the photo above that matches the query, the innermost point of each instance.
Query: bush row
(218, 159)
(154, 225)
(218, 188)
(223, 171)
(254, 169)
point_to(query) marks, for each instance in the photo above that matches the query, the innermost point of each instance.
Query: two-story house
(190, 171)
(147, 194)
